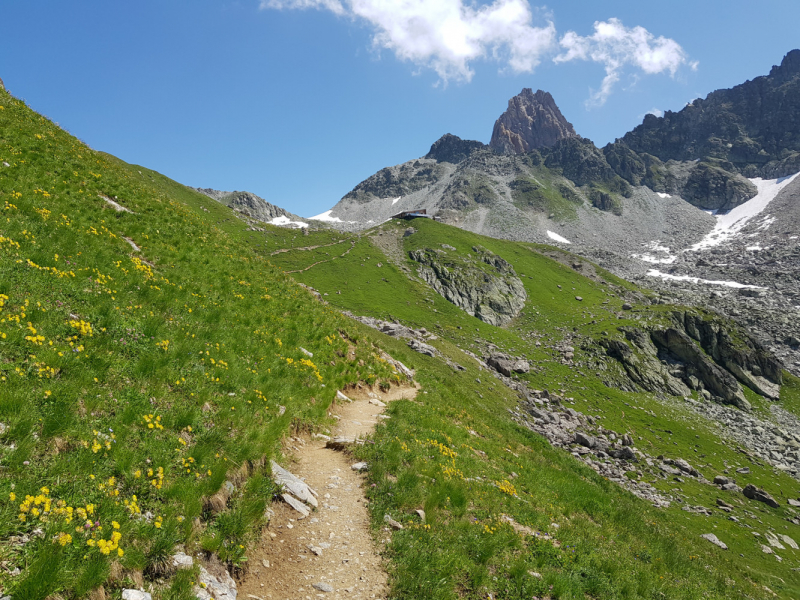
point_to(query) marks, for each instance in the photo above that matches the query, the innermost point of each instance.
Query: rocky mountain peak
(531, 121)
(789, 67)
(451, 148)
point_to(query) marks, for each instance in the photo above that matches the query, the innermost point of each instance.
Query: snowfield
(285, 221)
(730, 224)
(730, 284)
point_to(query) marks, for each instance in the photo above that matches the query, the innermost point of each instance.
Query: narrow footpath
(330, 553)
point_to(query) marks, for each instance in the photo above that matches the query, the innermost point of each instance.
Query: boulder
(131, 594)
(623, 453)
(755, 493)
(422, 348)
(507, 365)
(294, 485)
(714, 540)
(585, 440)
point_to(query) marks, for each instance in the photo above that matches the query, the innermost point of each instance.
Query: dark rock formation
(486, 286)
(531, 121)
(755, 125)
(711, 187)
(579, 160)
(744, 357)
(717, 380)
(452, 149)
(697, 353)
(755, 493)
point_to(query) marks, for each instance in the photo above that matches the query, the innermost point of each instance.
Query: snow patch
(326, 216)
(396, 200)
(283, 220)
(117, 206)
(663, 195)
(557, 238)
(659, 260)
(754, 248)
(730, 284)
(730, 224)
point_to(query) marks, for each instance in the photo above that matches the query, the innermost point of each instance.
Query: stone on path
(359, 466)
(296, 504)
(294, 484)
(341, 443)
(323, 587)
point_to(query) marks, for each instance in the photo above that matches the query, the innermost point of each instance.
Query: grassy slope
(134, 384)
(612, 545)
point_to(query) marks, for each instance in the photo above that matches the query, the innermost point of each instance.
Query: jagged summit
(451, 148)
(754, 127)
(531, 121)
(789, 67)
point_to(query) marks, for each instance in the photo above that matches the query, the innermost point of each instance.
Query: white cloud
(655, 111)
(447, 35)
(616, 46)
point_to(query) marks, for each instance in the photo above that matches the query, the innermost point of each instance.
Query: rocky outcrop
(697, 353)
(452, 149)
(715, 379)
(531, 121)
(397, 181)
(746, 359)
(642, 363)
(483, 285)
(711, 187)
(249, 204)
(579, 160)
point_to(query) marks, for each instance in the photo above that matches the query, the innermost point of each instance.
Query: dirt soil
(333, 546)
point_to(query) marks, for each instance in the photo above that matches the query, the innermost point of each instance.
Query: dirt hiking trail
(330, 553)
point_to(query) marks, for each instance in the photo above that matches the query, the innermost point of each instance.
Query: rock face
(531, 121)
(755, 125)
(452, 149)
(697, 353)
(484, 285)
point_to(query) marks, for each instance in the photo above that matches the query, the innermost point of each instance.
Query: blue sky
(299, 100)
